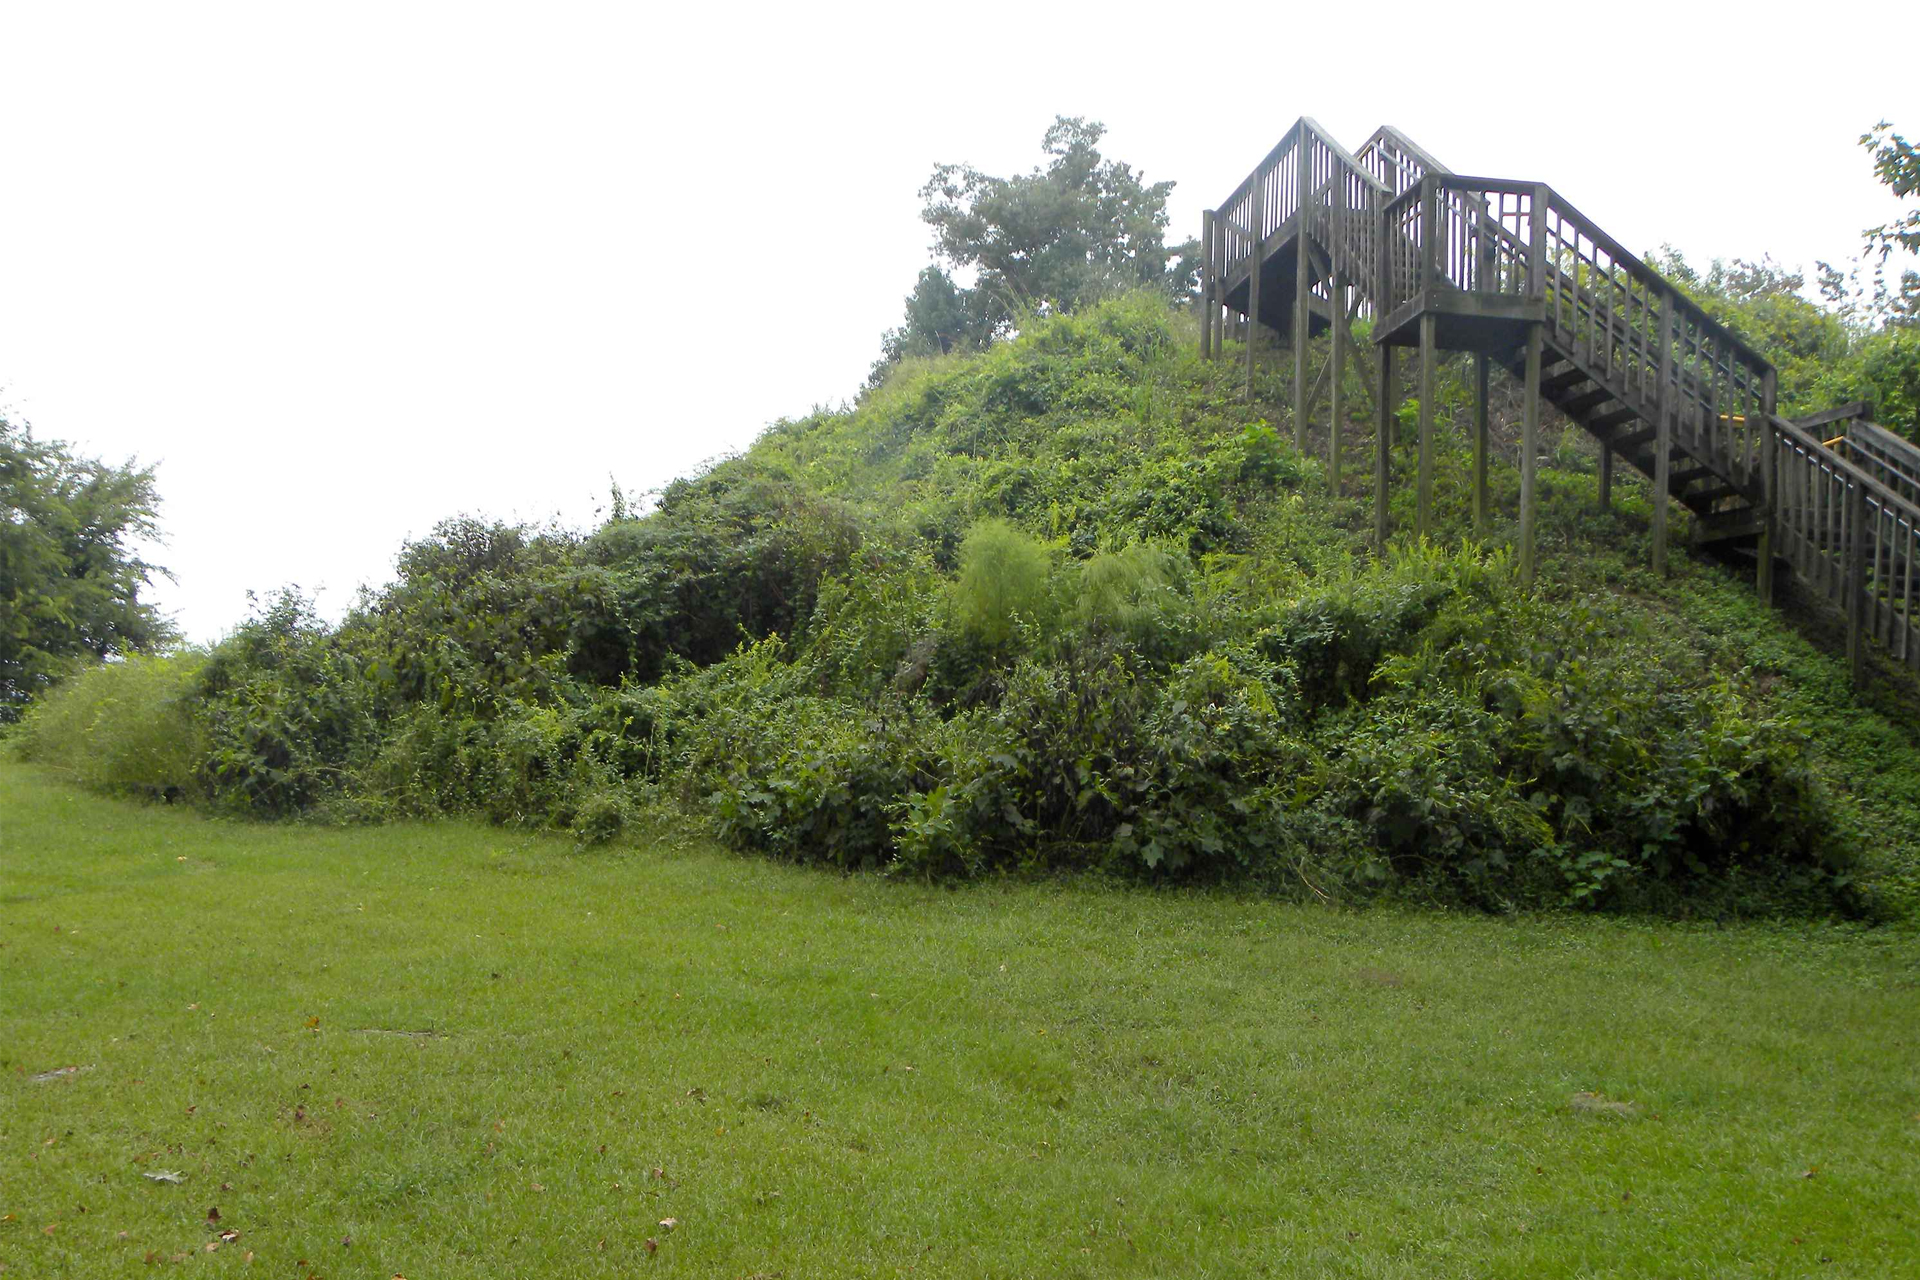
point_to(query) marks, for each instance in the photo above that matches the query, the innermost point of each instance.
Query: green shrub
(288, 711)
(1135, 592)
(1004, 577)
(129, 726)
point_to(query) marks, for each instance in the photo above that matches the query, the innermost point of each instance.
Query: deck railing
(1342, 203)
(1626, 324)
(1394, 161)
(1261, 205)
(1851, 539)
(1886, 457)
(1468, 235)
(1631, 330)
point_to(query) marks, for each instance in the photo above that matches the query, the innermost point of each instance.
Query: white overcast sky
(343, 270)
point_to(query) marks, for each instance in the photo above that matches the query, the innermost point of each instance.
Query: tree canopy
(1057, 239)
(1896, 162)
(1876, 292)
(70, 577)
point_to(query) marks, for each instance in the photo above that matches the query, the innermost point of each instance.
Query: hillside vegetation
(1070, 602)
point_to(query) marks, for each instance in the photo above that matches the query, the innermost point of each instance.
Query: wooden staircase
(1317, 236)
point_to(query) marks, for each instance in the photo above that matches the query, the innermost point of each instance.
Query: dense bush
(130, 726)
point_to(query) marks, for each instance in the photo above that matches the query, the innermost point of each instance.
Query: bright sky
(344, 270)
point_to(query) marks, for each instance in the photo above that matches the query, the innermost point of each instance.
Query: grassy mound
(1075, 603)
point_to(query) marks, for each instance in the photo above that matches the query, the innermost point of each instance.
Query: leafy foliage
(1055, 240)
(133, 726)
(1896, 162)
(70, 576)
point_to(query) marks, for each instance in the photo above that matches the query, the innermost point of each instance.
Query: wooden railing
(1635, 332)
(1628, 328)
(1342, 205)
(1851, 539)
(1886, 457)
(1343, 210)
(1468, 235)
(1261, 205)
(1392, 160)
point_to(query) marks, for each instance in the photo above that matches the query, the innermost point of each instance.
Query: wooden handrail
(1849, 471)
(1267, 165)
(1343, 155)
(1648, 276)
(1404, 149)
(1839, 413)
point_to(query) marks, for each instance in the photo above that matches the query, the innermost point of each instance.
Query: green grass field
(437, 1051)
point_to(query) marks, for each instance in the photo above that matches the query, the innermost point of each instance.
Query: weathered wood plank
(1383, 401)
(1254, 272)
(1856, 546)
(1302, 290)
(1663, 446)
(1209, 308)
(1769, 489)
(1530, 453)
(1481, 435)
(1423, 495)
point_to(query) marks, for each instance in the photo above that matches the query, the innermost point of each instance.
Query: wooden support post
(1382, 441)
(1209, 309)
(1253, 280)
(1302, 282)
(1769, 487)
(1336, 408)
(1336, 335)
(1855, 542)
(1223, 315)
(1663, 440)
(1423, 509)
(1482, 432)
(1383, 405)
(1606, 475)
(1530, 451)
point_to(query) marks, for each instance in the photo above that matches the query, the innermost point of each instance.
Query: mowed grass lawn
(447, 1050)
